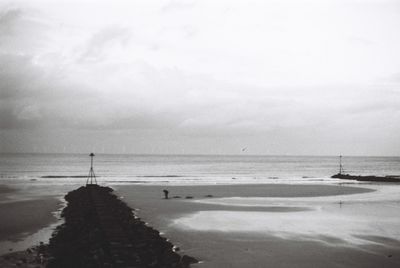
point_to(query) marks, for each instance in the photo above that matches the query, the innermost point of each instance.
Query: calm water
(189, 169)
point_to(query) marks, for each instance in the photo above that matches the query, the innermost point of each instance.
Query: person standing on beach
(166, 193)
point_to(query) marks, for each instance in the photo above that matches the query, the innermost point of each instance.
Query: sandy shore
(4, 190)
(276, 225)
(26, 218)
(267, 225)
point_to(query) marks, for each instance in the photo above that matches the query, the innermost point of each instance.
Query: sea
(188, 169)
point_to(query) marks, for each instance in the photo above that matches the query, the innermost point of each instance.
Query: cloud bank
(278, 77)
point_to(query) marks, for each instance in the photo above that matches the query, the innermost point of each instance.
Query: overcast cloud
(277, 77)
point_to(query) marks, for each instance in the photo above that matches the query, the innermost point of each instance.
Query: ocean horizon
(187, 169)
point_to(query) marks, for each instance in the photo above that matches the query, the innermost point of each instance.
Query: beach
(30, 213)
(277, 226)
(242, 225)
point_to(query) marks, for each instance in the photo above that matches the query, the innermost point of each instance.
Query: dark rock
(186, 261)
(100, 230)
(367, 178)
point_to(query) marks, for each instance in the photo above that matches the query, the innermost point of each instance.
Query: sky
(316, 77)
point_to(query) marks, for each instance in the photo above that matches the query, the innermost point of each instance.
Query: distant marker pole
(91, 177)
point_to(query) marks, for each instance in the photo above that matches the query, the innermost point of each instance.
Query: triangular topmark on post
(91, 179)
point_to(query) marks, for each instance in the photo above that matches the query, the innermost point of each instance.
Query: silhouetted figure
(166, 193)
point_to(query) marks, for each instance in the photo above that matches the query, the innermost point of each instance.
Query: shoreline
(30, 218)
(233, 235)
(25, 218)
(269, 205)
(101, 214)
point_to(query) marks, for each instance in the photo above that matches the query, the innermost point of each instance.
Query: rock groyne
(100, 230)
(395, 179)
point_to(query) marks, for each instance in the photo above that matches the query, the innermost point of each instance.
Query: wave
(161, 176)
(121, 181)
(64, 176)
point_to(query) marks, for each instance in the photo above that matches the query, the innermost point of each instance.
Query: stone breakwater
(102, 231)
(395, 179)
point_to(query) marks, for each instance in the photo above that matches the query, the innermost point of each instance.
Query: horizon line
(199, 154)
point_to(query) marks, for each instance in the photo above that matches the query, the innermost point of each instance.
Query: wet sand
(276, 225)
(26, 217)
(23, 217)
(185, 199)
(252, 225)
(5, 189)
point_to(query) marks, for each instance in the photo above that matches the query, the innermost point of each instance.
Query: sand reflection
(346, 220)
